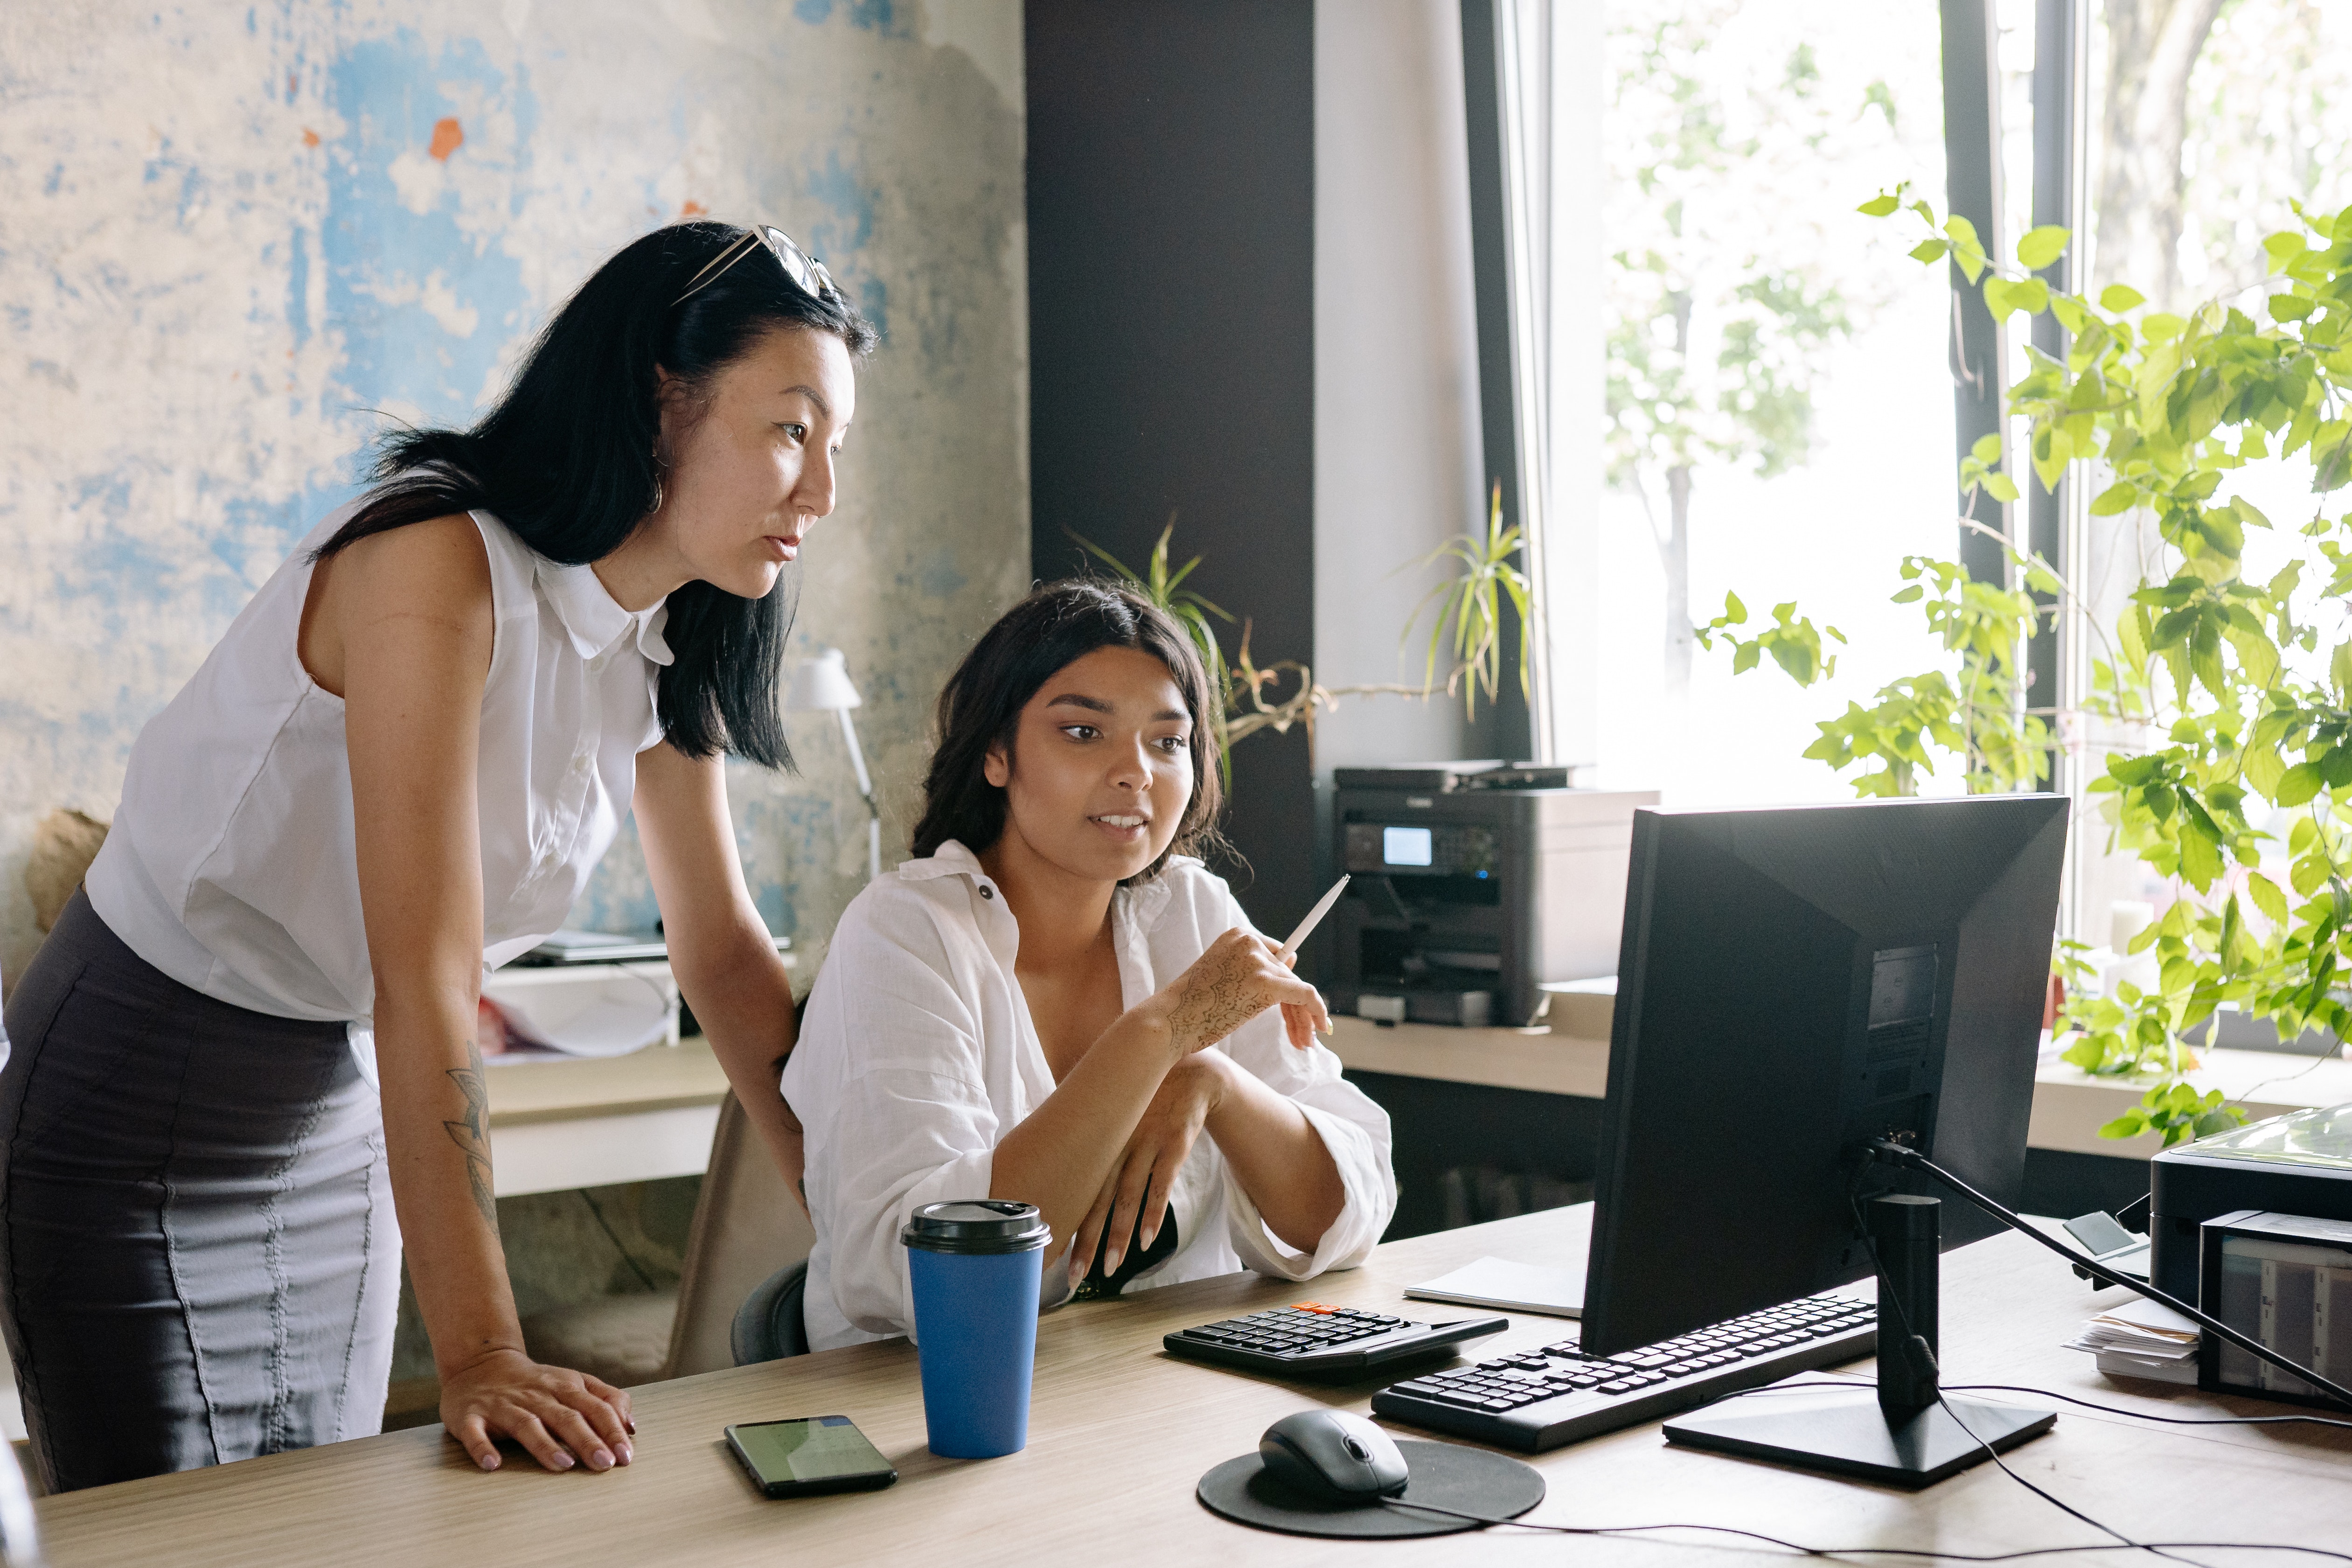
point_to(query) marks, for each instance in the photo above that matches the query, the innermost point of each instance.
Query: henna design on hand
(1227, 986)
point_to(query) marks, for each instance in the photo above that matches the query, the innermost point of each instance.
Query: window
(1779, 415)
(2197, 152)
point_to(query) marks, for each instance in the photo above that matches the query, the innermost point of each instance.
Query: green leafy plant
(1472, 603)
(1793, 641)
(1166, 589)
(1973, 710)
(2220, 702)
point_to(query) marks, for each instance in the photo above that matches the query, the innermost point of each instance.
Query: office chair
(769, 1327)
(745, 1225)
(20, 1533)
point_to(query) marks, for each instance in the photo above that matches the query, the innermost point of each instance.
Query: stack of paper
(2141, 1339)
(1511, 1286)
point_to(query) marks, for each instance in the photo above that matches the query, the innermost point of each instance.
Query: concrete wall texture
(235, 239)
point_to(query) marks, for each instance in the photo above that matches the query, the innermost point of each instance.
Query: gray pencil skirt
(198, 1258)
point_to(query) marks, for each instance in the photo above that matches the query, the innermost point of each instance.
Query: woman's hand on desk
(1240, 976)
(1144, 1175)
(562, 1416)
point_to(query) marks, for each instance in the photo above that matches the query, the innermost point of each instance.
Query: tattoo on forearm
(472, 1134)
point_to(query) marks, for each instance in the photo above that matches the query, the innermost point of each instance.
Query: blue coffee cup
(974, 1265)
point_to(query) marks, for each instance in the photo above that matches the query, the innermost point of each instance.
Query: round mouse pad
(1469, 1480)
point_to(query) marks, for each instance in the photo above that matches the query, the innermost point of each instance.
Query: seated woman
(1056, 1003)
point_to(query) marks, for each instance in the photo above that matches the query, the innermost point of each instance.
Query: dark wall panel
(1172, 260)
(1435, 1126)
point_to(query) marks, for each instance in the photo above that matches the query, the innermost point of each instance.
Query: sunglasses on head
(805, 271)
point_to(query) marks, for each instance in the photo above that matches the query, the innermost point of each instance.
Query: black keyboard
(1545, 1398)
(1312, 1341)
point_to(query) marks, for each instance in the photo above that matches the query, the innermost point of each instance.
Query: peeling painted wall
(234, 240)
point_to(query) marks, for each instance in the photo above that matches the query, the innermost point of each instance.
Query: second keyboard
(1541, 1399)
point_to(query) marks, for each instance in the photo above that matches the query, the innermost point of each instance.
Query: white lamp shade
(822, 684)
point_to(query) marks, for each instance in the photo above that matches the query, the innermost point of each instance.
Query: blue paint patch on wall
(113, 574)
(131, 577)
(850, 202)
(381, 257)
(874, 302)
(619, 896)
(874, 16)
(937, 576)
(254, 538)
(297, 288)
(774, 912)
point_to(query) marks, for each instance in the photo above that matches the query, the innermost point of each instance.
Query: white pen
(1315, 916)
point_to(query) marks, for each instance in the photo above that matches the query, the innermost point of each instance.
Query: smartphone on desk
(809, 1455)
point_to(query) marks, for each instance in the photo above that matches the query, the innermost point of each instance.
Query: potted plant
(1469, 629)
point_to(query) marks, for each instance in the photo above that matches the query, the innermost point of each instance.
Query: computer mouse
(1331, 1455)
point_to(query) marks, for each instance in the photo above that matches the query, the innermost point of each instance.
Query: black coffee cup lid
(977, 1225)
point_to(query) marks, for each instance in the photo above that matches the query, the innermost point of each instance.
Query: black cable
(1852, 1383)
(2152, 1549)
(2158, 1548)
(610, 1236)
(1917, 1345)
(1483, 1522)
(2140, 1414)
(1911, 1159)
(1897, 1154)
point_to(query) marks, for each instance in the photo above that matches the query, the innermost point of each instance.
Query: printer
(2300, 1164)
(1474, 885)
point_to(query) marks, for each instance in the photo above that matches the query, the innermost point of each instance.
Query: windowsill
(1572, 1059)
(2070, 1105)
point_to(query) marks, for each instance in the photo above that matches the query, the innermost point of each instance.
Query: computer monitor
(1793, 984)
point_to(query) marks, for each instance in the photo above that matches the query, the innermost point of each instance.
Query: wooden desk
(592, 1121)
(1119, 1433)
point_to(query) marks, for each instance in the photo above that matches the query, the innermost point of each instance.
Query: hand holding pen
(1300, 1029)
(1239, 977)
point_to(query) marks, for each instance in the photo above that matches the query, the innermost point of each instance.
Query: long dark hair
(1044, 633)
(567, 460)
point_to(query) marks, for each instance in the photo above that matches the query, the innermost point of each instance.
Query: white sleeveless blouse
(232, 865)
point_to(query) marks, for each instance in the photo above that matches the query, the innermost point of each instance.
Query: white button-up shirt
(918, 1055)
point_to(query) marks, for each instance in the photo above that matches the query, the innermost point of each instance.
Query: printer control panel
(1420, 848)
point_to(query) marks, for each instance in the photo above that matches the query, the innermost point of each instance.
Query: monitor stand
(1902, 1434)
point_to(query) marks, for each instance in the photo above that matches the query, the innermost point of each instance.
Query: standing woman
(398, 768)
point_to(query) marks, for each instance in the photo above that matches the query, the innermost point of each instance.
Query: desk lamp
(823, 685)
